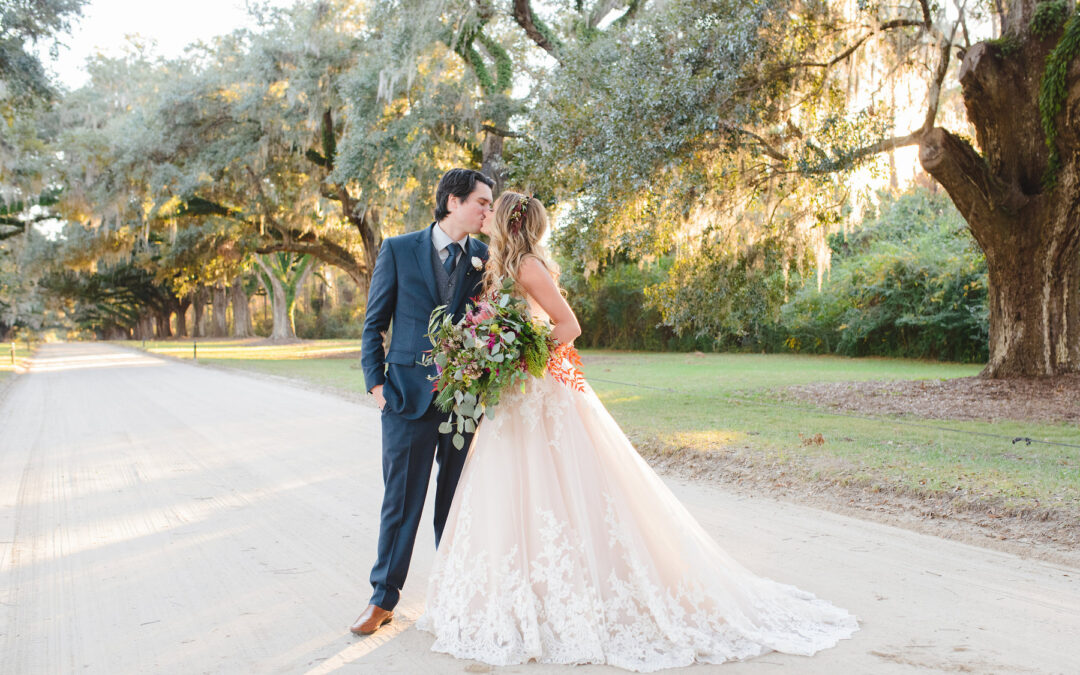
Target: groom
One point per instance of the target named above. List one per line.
(414, 273)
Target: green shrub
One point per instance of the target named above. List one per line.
(612, 309)
(342, 322)
(724, 299)
(911, 283)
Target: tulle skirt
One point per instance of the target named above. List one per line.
(564, 546)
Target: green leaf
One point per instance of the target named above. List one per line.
(470, 426)
(446, 427)
(459, 441)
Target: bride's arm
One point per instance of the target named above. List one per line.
(537, 282)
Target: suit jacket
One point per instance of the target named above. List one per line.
(403, 291)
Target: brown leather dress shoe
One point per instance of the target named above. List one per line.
(373, 618)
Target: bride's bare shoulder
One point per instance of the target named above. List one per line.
(532, 270)
(536, 267)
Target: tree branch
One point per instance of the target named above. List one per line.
(888, 25)
(602, 9)
(198, 206)
(928, 20)
(295, 241)
(537, 31)
(498, 131)
(980, 197)
(888, 144)
(629, 14)
(19, 228)
(933, 96)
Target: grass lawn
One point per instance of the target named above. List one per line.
(255, 349)
(724, 405)
(7, 367)
(329, 363)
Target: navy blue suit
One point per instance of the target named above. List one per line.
(403, 293)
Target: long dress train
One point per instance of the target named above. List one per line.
(563, 546)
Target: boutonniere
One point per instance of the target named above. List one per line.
(477, 263)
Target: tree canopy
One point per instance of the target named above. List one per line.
(686, 129)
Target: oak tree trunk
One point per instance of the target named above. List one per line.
(242, 327)
(199, 299)
(1024, 213)
(283, 328)
(219, 326)
(493, 166)
(181, 317)
(144, 327)
(163, 324)
(282, 293)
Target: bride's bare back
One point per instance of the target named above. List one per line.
(541, 289)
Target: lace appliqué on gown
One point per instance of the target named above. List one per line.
(563, 546)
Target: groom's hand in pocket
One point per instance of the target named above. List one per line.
(379, 400)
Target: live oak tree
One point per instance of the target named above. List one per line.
(1021, 193)
(25, 24)
(282, 275)
(26, 98)
(697, 99)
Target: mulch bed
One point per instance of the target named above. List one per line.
(1045, 399)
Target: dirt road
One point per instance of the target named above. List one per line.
(161, 517)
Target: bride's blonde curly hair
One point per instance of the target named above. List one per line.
(520, 223)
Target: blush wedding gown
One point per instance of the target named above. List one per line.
(563, 546)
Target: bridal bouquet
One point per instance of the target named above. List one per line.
(496, 345)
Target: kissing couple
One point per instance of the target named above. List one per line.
(556, 542)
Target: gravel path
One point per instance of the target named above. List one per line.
(161, 517)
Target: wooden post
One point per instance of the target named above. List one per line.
(194, 350)
(13, 352)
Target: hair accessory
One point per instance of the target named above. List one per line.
(513, 223)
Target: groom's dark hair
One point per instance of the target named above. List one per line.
(460, 183)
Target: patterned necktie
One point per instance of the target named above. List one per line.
(451, 259)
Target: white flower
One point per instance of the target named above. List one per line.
(477, 263)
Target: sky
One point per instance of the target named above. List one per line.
(172, 24)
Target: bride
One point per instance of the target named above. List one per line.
(563, 546)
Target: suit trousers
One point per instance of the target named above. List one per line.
(408, 449)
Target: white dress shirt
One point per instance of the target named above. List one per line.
(440, 240)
